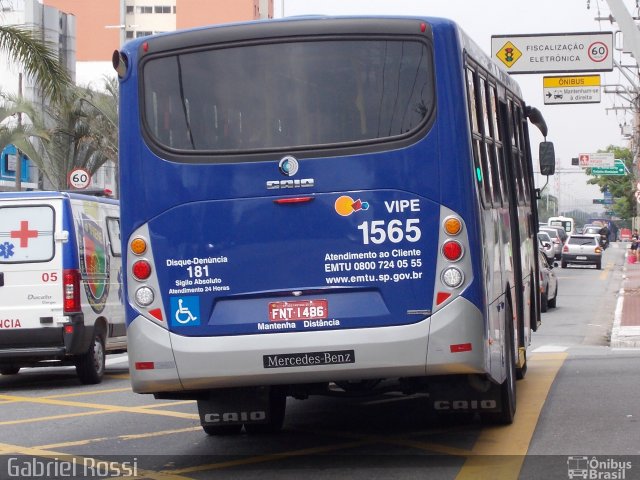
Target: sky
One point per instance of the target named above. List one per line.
(574, 129)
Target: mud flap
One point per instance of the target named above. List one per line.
(465, 395)
(236, 406)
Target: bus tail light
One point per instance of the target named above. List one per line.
(452, 250)
(144, 296)
(71, 290)
(452, 277)
(138, 246)
(141, 270)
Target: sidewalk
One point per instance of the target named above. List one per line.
(626, 324)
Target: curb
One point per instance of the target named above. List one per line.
(629, 336)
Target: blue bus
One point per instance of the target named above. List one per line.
(326, 205)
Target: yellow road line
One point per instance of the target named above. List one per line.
(51, 417)
(96, 406)
(134, 436)
(605, 273)
(271, 457)
(500, 451)
(91, 392)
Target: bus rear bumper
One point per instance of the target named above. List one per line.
(161, 361)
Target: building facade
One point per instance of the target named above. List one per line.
(102, 25)
(58, 29)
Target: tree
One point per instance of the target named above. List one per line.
(79, 131)
(622, 188)
(38, 59)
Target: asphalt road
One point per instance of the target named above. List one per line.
(578, 401)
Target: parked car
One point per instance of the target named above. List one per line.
(548, 284)
(546, 245)
(592, 229)
(561, 231)
(555, 239)
(582, 249)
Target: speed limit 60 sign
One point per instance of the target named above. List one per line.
(555, 52)
(79, 178)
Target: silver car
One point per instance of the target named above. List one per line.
(548, 284)
(583, 249)
(555, 239)
(546, 245)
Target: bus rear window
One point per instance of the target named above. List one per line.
(26, 234)
(288, 95)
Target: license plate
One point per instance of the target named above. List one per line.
(581, 257)
(298, 310)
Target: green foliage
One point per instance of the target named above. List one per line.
(38, 58)
(622, 188)
(78, 131)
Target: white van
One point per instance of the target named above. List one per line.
(61, 299)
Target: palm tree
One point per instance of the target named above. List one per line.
(39, 60)
(78, 131)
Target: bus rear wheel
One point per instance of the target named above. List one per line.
(508, 387)
(277, 408)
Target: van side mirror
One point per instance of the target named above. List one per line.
(547, 158)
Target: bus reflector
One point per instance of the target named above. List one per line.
(156, 313)
(71, 290)
(141, 269)
(145, 366)
(452, 250)
(461, 347)
(442, 297)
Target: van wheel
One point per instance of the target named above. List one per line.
(90, 366)
(9, 369)
(508, 387)
(277, 407)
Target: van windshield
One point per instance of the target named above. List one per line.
(26, 234)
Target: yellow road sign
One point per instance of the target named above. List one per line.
(508, 54)
(571, 81)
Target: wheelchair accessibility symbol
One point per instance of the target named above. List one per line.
(185, 311)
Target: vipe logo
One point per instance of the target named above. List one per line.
(596, 468)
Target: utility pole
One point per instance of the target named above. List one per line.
(18, 170)
(631, 44)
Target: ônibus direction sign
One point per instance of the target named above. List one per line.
(571, 89)
(556, 52)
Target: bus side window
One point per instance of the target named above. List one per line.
(485, 150)
(515, 152)
(522, 165)
(497, 147)
(482, 179)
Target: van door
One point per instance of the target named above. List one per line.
(30, 264)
